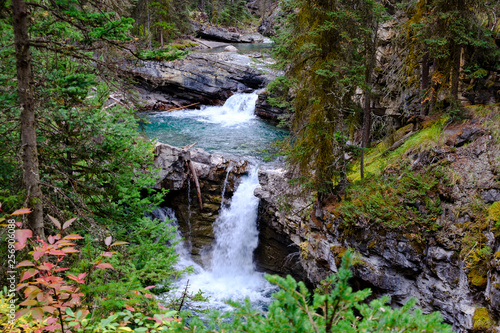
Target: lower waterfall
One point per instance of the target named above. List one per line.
(229, 272)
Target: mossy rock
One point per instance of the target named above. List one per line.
(494, 213)
(477, 277)
(482, 320)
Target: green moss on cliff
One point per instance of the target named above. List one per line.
(482, 320)
(403, 199)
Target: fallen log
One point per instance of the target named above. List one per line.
(196, 182)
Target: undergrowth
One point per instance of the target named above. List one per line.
(405, 199)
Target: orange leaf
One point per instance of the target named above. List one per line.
(29, 302)
(37, 313)
(49, 309)
(73, 236)
(22, 211)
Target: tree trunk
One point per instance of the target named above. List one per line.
(424, 87)
(455, 74)
(367, 122)
(31, 172)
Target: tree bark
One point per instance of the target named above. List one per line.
(455, 74)
(424, 87)
(31, 172)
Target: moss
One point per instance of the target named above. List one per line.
(338, 252)
(494, 213)
(482, 320)
(378, 158)
(477, 277)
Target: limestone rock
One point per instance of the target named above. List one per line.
(214, 171)
(205, 78)
(230, 48)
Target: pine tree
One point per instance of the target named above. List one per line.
(326, 50)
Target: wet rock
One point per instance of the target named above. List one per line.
(230, 48)
(264, 110)
(214, 171)
(204, 78)
(208, 31)
(490, 196)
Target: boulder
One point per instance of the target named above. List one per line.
(205, 78)
(211, 32)
(230, 48)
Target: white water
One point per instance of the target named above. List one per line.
(230, 273)
(230, 128)
(238, 109)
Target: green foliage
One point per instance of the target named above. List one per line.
(166, 54)
(442, 30)
(406, 200)
(324, 48)
(94, 163)
(334, 307)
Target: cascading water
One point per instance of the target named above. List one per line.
(230, 274)
(230, 128)
(227, 272)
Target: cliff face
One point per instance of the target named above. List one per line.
(216, 174)
(427, 226)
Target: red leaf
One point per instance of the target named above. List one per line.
(69, 250)
(108, 240)
(21, 312)
(119, 243)
(22, 211)
(55, 221)
(68, 223)
(148, 296)
(25, 263)
(19, 224)
(57, 252)
(107, 254)
(149, 287)
(104, 266)
(22, 235)
(60, 269)
(27, 274)
(82, 276)
(51, 239)
(128, 307)
(38, 254)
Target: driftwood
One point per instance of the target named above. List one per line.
(400, 142)
(180, 108)
(195, 177)
(189, 146)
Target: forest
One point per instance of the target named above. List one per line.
(370, 94)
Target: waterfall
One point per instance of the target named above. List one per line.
(230, 273)
(236, 235)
